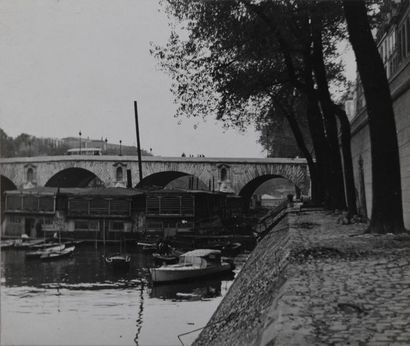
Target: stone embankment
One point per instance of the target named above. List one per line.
(312, 281)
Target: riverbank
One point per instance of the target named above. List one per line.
(311, 281)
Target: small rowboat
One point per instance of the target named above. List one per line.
(168, 256)
(6, 244)
(53, 255)
(27, 244)
(192, 264)
(119, 262)
(39, 253)
(160, 259)
(148, 247)
(227, 248)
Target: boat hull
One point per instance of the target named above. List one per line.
(119, 262)
(50, 256)
(27, 244)
(183, 272)
(6, 244)
(165, 259)
(39, 253)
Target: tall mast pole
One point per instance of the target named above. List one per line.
(138, 140)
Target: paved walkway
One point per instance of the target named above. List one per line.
(336, 286)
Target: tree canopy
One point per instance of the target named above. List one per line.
(249, 62)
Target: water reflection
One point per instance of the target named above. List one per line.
(86, 268)
(140, 314)
(200, 288)
(84, 302)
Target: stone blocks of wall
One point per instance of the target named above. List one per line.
(252, 293)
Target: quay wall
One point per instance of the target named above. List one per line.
(240, 318)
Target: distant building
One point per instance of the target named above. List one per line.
(269, 201)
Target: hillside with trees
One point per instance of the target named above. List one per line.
(25, 145)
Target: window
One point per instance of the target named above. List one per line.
(401, 42)
(117, 226)
(93, 225)
(14, 219)
(99, 206)
(46, 204)
(170, 205)
(81, 225)
(187, 205)
(78, 206)
(408, 34)
(223, 174)
(120, 207)
(85, 225)
(153, 204)
(13, 202)
(119, 174)
(30, 174)
(47, 221)
(30, 203)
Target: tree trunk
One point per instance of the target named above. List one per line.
(347, 161)
(321, 149)
(387, 209)
(316, 127)
(317, 183)
(318, 64)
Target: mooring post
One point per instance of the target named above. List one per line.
(138, 140)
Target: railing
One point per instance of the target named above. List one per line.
(268, 221)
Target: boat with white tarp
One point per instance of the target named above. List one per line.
(192, 264)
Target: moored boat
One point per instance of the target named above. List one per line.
(227, 248)
(44, 251)
(160, 259)
(119, 262)
(148, 247)
(232, 249)
(26, 244)
(166, 255)
(52, 255)
(192, 264)
(6, 244)
(44, 245)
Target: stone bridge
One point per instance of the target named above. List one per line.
(238, 175)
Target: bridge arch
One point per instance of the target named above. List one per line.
(74, 177)
(249, 189)
(162, 179)
(6, 184)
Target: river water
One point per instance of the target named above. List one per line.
(81, 301)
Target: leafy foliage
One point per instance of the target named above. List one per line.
(226, 62)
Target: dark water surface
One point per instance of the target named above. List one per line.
(81, 301)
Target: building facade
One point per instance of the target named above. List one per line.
(90, 213)
(393, 40)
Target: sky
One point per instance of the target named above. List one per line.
(68, 66)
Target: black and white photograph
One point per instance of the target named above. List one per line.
(204, 172)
